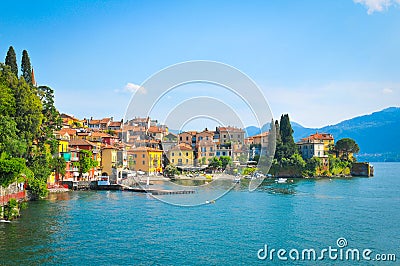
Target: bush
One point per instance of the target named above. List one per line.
(11, 210)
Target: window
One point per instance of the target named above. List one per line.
(211, 149)
(187, 161)
(173, 154)
(211, 154)
(180, 154)
(207, 138)
(143, 162)
(143, 155)
(173, 160)
(180, 138)
(218, 153)
(135, 156)
(187, 154)
(187, 138)
(179, 160)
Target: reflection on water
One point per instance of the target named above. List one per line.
(126, 228)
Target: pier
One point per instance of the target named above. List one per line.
(154, 191)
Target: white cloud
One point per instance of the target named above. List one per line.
(377, 5)
(132, 88)
(387, 91)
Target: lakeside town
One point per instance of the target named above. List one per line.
(42, 150)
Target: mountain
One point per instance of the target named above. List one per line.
(377, 134)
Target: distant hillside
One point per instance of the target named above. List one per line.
(377, 134)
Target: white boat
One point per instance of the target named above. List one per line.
(281, 180)
(236, 180)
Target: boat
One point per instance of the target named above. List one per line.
(281, 180)
(236, 180)
(4, 221)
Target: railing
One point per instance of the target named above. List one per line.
(19, 195)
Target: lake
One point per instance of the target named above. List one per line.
(126, 228)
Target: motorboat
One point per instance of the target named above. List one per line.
(281, 180)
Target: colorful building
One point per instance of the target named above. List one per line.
(181, 155)
(147, 159)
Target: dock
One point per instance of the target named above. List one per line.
(153, 191)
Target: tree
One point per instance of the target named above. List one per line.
(225, 161)
(286, 134)
(215, 163)
(58, 165)
(171, 170)
(345, 147)
(11, 61)
(86, 161)
(51, 118)
(312, 165)
(26, 68)
(10, 170)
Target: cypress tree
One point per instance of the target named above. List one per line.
(26, 67)
(11, 60)
(286, 134)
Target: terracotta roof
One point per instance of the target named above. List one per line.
(192, 132)
(81, 142)
(145, 149)
(263, 134)
(101, 135)
(115, 124)
(319, 136)
(94, 122)
(70, 131)
(181, 147)
(65, 116)
(154, 129)
(231, 129)
(105, 120)
(105, 146)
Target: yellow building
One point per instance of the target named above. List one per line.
(63, 145)
(326, 138)
(108, 159)
(181, 155)
(147, 159)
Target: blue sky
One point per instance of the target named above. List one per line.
(320, 61)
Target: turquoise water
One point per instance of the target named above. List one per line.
(124, 228)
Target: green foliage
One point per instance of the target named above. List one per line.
(10, 170)
(345, 147)
(26, 68)
(11, 61)
(10, 143)
(86, 161)
(225, 161)
(248, 171)
(171, 170)
(28, 119)
(58, 165)
(28, 115)
(288, 146)
(11, 210)
(38, 187)
(312, 166)
(215, 163)
(203, 161)
(338, 166)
